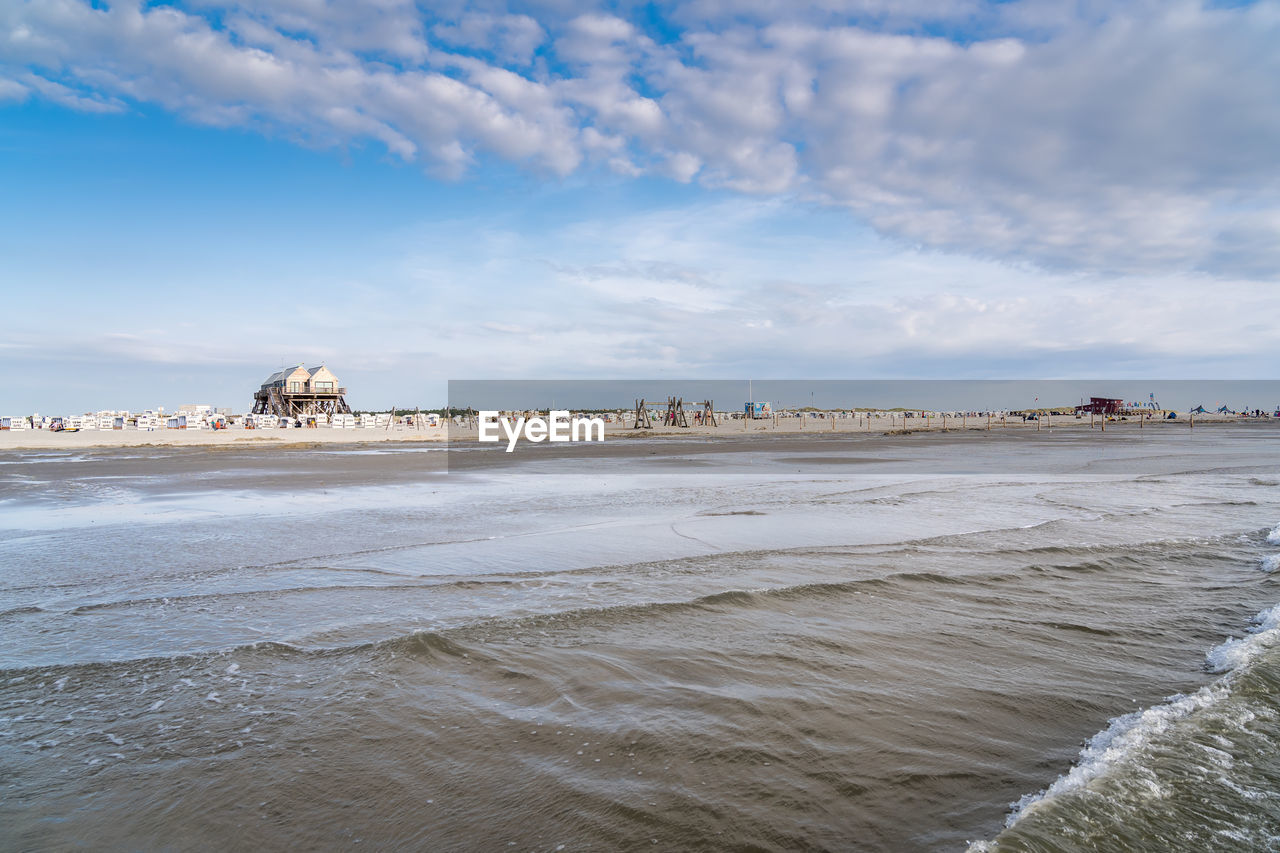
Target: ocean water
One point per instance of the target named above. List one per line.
(1047, 642)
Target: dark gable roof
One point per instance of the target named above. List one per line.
(281, 375)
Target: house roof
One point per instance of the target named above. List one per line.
(281, 375)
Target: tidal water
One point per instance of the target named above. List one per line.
(1046, 642)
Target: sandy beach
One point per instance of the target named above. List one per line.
(46, 440)
(239, 437)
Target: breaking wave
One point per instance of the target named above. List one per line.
(1201, 766)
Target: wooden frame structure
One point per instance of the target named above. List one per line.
(643, 421)
(675, 413)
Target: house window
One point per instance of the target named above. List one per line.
(324, 386)
(295, 387)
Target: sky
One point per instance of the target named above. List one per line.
(194, 194)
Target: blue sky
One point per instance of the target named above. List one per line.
(191, 194)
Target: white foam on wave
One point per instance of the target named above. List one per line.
(1274, 536)
(1234, 653)
(1271, 563)
(1128, 735)
(1125, 736)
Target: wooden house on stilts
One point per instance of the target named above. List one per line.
(298, 391)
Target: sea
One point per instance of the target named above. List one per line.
(1056, 641)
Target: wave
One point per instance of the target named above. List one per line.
(880, 568)
(1234, 654)
(1140, 757)
(1057, 625)
(1118, 742)
(485, 628)
(20, 611)
(967, 544)
(1274, 536)
(234, 595)
(422, 645)
(1271, 563)
(111, 668)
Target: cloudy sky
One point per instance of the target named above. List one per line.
(193, 193)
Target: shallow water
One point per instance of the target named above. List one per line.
(776, 644)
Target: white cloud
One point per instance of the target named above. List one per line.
(1128, 137)
(12, 90)
(737, 287)
(60, 94)
(511, 38)
(734, 286)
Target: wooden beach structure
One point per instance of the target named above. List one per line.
(675, 415)
(296, 392)
(642, 421)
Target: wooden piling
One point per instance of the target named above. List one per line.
(642, 419)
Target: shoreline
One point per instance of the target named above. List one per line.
(35, 440)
